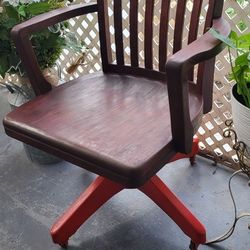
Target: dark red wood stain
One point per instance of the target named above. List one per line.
(127, 122)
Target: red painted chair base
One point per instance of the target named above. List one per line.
(102, 189)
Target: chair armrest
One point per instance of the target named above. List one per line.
(21, 32)
(177, 68)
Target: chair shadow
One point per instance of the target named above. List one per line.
(216, 247)
(124, 237)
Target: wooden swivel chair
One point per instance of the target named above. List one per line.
(126, 122)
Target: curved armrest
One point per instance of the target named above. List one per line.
(20, 34)
(177, 68)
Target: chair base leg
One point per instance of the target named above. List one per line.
(95, 196)
(157, 191)
(102, 189)
(192, 155)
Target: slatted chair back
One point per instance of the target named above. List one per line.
(150, 63)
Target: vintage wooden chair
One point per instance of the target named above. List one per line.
(126, 122)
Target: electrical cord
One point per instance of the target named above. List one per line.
(13, 87)
(230, 231)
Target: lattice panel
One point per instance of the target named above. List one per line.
(213, 144)
(86, 28)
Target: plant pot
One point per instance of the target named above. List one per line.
(241, 117)
(22, 94)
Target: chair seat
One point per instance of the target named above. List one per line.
(113, 125)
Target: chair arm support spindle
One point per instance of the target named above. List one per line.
(177, 68)
(181, 125)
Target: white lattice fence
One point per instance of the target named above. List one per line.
(213, 145)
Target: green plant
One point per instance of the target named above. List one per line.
(48, 44)
(239, 61)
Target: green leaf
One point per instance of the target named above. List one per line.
(9, 23)
(21, 11)
(4, 35)
(244, 41)
(233, 35)
(38, 8)
(4, 66)
(242, 60)
(222, 38)
(11, 12)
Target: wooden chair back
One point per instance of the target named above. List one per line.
(148, 67)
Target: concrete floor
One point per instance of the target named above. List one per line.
(33, 196)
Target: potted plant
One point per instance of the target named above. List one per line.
(239, 57)
(48, 44)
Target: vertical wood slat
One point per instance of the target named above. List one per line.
(179, 23)
(103, 21)
(194, 21)
(206, 75)
(118, 32)
(206, 69)
(208, 23)
(148, 33)
(218, 8)
(163, 36)
(133, 26)
(193, 28)
(210, 14)
(215, 9)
